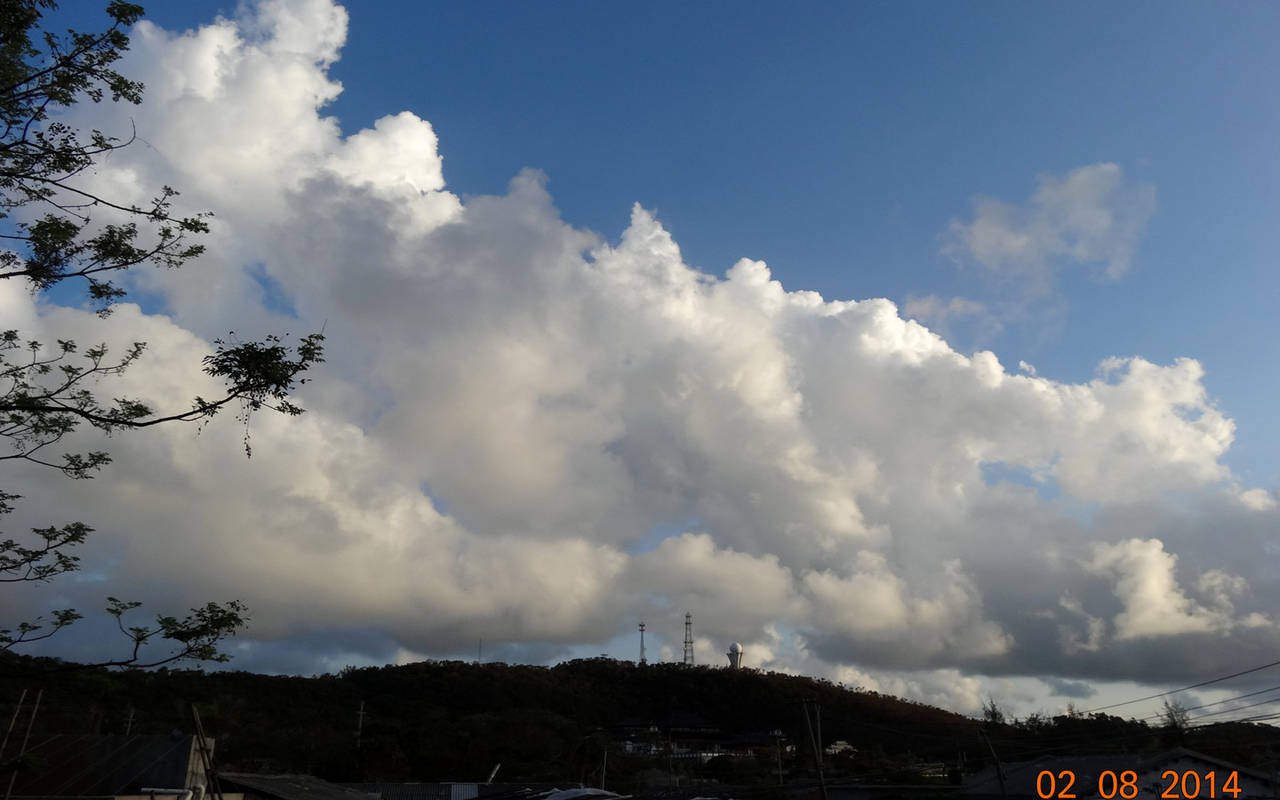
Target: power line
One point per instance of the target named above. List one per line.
(1255, 718)
(1184, 688)
(1220, 702)
(1069, 742)
(1272, 701)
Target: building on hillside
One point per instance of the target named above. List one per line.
(88, 765)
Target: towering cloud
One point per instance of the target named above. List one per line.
(515, 410)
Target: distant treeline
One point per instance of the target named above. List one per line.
(453, 720)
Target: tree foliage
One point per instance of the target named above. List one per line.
(449, 720)
(56, 229)
(992, 713)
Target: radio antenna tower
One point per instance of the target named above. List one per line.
(642, 661)
(688, 639)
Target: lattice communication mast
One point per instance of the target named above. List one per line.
(688, 639)
(642, 661)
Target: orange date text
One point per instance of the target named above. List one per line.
(1174, 785)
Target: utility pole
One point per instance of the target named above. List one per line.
(206, 756)
(359, 724)
(817, 723)
(814, 742)
(671, 749)
(776, 733)
(26, 737)
(999, 767)
(12, 720)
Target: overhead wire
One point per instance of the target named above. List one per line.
(1220, 702)
(1017, 746)
(1184, 688)
(1253, 718)
(1272, 701)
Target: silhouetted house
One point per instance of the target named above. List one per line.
(87, 765)
(1179, 773)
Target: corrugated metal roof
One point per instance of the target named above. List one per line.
(421, 790)
(85, 764)
(447, 790)
(289, 787)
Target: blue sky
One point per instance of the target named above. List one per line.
(836, 142)
(538, 425)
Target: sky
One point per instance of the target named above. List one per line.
(927, 348)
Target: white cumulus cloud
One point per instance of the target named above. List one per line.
(512, 406)
(1092, 215)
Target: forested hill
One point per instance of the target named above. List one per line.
(455, 720)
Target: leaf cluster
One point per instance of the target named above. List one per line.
(196, 635)
(51, 233)
(41, 159)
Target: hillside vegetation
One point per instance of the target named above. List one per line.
(454, 721)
